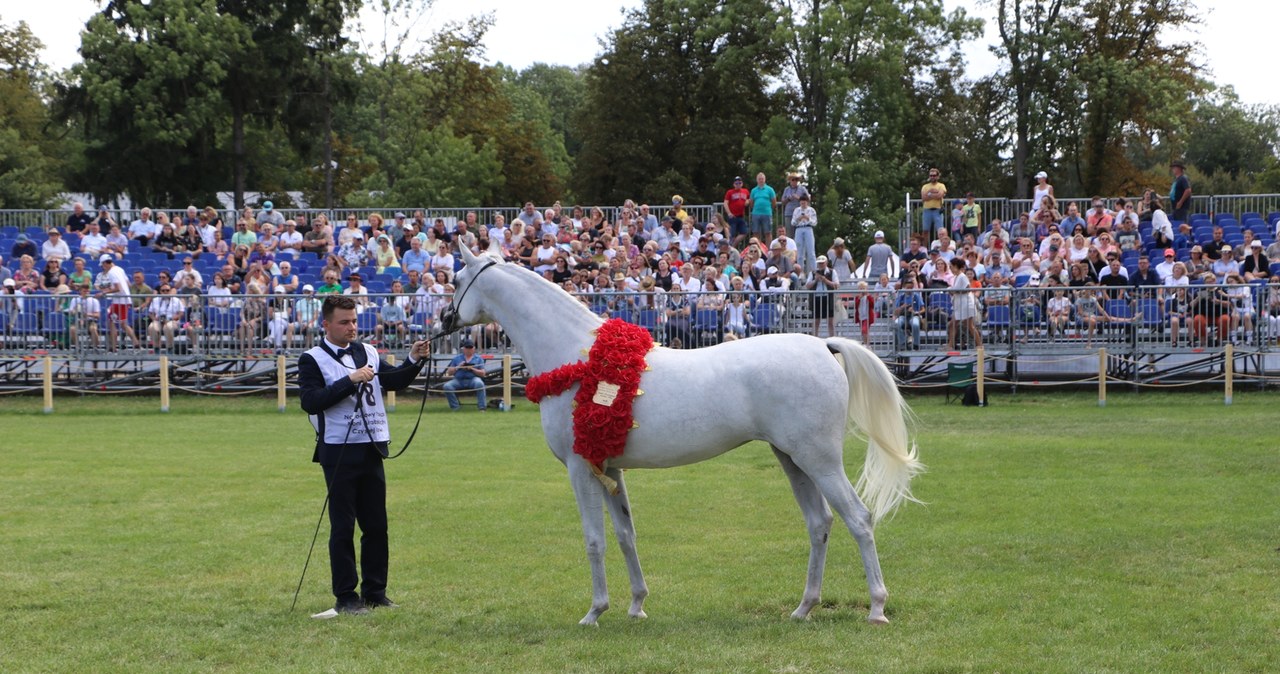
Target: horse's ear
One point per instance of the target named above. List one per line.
(495, 250)
(468, 257)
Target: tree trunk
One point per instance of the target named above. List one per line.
(328, 141)
(238, 154)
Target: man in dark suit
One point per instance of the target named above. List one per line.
(341, 381)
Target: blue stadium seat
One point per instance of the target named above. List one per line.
(1250, 215)
(9, 232)
(764, 318)
(704, 321)
(367, 321)
(997, 318)
(648, 319)
(55, 324)
(1119, 309)
(27, 324)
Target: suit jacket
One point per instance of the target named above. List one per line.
(318, 397)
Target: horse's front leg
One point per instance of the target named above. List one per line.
(625, 531)
(590, 494)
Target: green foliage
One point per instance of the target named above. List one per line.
(29, 152)
(1230, 143)
(669, 104)
(443, 169)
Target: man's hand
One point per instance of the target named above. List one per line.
(420, 349)
(362, 375)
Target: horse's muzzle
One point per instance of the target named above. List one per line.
(448, 319)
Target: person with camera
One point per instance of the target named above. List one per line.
(341, 382)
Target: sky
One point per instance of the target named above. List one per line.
(1234, 33)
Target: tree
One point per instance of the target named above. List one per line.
(1230, 142)
(149, 100)
(850, 69)
(669, 104)
(29, 162)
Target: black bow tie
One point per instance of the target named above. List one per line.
(349, 351)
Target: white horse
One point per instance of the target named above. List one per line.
(550, 328)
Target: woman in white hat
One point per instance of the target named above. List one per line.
(1042, 189)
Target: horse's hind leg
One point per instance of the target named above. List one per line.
(817, 517)
(589, 493)
(844, 500)
(625, 531)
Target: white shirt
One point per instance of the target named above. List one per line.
(181, 274)
(93, 244)
(145, 228)
(788, 242)
(86, 306)
(804, 217)
(117, 276)
(206, 234)
(59, 250)
(1165, 270)
(287, 242)
(167, 307)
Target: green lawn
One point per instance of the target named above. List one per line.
(1058, 537)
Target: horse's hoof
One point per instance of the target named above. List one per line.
(639, 615)
(589, 621)
(799, 615)
(878, 620)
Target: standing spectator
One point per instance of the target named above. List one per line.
(55, 247)
(735, 208)
(530, 216)
(467, 370)
(864, 312)
(762, 202)
(112, 282)
(803, 220)
(823, 283)
(269, 215)
(964, 309)
(971, 216)
(932, 194)
(1179, 192)
(879, 258)
(307, 316)
(78, 221)
(794, 196)
(1041, 190)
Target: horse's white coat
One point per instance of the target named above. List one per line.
(787, 390)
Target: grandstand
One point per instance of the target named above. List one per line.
(1020, 345)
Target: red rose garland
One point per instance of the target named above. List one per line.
(617, 358)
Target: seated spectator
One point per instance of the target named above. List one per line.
(92, 242)
(1114, 276)
(1026, 262)
(1059, 313)
(55, 247)
(23, 246)
(999, 293)
(83, 314)
(907, 308)
(289, 241)
(1125, 213)
(1127, 237)
(189, 241)
(117, 243)
(166, 241)
(1225, 265)
(52, 278)
(143, 230)
(1098, 219)
(166, 312)
(188, 270)
(1145, 276)
(443, 261)
(1199, 263)
(945, 245)
(467, 370)
(384, 257)
(27, 279)
(307, 317)
(219, 294)
(1256, 265)
(357, 289)
(1273, 309)
(1211, 307)
(320, 239)
(79, 277)
(1023, 228)
(415, 259)
(1242, 310)
(393, 316)
(286, 278)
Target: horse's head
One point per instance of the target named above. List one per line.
(464, 310)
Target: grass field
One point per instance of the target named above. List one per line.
(1058, 537)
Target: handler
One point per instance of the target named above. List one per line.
(341, 381)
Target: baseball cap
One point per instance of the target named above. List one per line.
(280, 290)
(1255, 244)
(467, 344)
(1169, 252)
(22, 237)
(9, 283)
(1178, 163)
(772, 270)
(1041, 174)
(822, 258)
(879, 234)
(308, 288)
(267, 205)
(737, 179)
(1226, 249)
(838, 242)
(106, 257)
(400, 214)
(935, 251)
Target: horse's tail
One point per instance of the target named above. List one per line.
(878, 412)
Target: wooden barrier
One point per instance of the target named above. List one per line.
(1228, 370)
(391, 395)
(980, 371)
(1102, 377)
(48, 384)
(506, 382)
(164, 383)
(281, 384)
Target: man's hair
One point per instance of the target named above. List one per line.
(334, 302)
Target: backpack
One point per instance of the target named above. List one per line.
(970, 398)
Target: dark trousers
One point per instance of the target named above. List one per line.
(358, 493)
